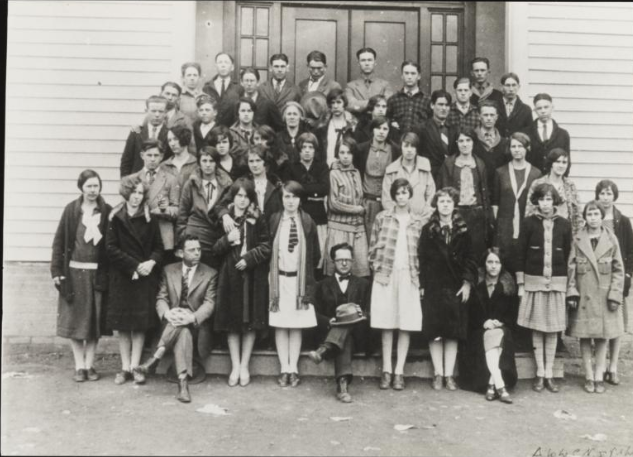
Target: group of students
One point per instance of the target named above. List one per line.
(413, 214)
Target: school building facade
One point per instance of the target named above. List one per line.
(78, 74)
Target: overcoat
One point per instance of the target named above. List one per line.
(519, 119)
(502, 306)
(194, 217)
(289, 93)
(243, 295)
(421, 181)
(595, 277)
(130, 241)
(63, 245)
(432, 147)
(443, 270)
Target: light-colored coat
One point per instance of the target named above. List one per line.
(164, 185)
(201, 298)
(421, 180)
(595, 277)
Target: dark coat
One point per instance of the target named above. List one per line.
(226, 103)
(432, 147)
(519, 120)
(624, 234)
(193, 216)
(131, 160)
(364, 133)
(531, 255)
(129, 242)
(493, 158)
(284, 144)
(443, 270)
(288, 93)
(494, 96)
(558, 138)
(313, 252)
(316, 183)
(503, 197)
(502, 306)
(64, 243)
(198, 138)
(360, 159)
(322, 137)
(328, 295)
(242, 298)
(268, 113)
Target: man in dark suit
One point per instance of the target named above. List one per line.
(185, 302)
(482, 88)
(545, 134)
(152, 129)
(514, 115)
(223, 88)
(341, 301)
(437, 138)
(278, 88)
(318, 80)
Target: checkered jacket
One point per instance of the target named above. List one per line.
(460, 120)
(382, 246)
(409, 112)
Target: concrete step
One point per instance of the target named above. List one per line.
(266, 363)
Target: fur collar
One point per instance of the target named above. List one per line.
(505, 279)
(458, 223)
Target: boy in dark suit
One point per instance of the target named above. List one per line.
(340, 303)
(207, 112)
(153, 129)
(278, 88)
(185, 300)
(223, 88)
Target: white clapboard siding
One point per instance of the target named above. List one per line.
(78, 74)
(582, 55)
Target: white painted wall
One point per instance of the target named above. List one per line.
(77, 77)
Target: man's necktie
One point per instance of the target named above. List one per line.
(151, 176)
(293, 239)
(277, 87)
(545, 135)
(184, 290)
(154, 131)
(223, 87)
(346, 277)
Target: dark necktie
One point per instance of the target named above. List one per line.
(210, 188)
(151, 176)
(346, 277)
(223, 87)
(154, 131)
(545, 135)
(184, 291)
(446, 233)
(293, 239)
(277, 87)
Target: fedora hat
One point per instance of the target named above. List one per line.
(347, 314)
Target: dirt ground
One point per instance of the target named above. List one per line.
(45, 413)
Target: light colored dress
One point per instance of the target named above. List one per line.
(288, 315)
(397, 305)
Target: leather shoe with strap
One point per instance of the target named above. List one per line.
(183, 391)
(539, 384)
(80, 375)
(385, 380)
(283, 379)
(491, 393)
(590, 386)
(294, 379)
(450, 383)
(504, 396)
(398, 382)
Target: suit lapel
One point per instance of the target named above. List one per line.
(196, 280)
(603, 245)
(157, 185)
(176, 280)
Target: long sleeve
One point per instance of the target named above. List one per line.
(162, 298)
(572, 286)
(205, 310)
(260, 253)
(387, 202)
(158, 249)
(127, 159)
(184, 209)
(318, 181)
(57, 259)
(616, 290)
(119, 258)
(334, 201)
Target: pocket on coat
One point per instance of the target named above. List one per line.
(582, 265)
(604, 266)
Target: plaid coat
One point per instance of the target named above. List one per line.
(409, 112)
(468, 121)
(382, 246)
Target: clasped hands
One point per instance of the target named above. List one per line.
(492, 324)
(144, 269)
(179, 317)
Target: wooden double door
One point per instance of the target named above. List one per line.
(339, 32)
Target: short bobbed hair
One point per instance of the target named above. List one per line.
(247, 185)
(209, 151)
(266, 133)
(246, 100)
(593, 204)
(309, 138)
(470, 133)
(410, 138)
(85, 176)
(607, 184)
(351, 144)
(377, 122)
(373, 101)
(445, 192)
(260, 152)
(294, 188)
(182, 133)
(219, 132)
(521, 138)
(129, 184)
(494, 251)
(398, 184)
(335, 94)
(544, 189)
(553, 156)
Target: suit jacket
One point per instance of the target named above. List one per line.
(432, 147)
(226, 102)
(520, 118)
(325, 86)
(200, 141)
(165, 184)
(559, 138)
(201, 298)
(358, 292)
(288, 93)
(131, 160)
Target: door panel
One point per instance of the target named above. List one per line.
(309, 29)
(394, 36)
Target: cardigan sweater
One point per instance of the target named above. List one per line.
(345, 202)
